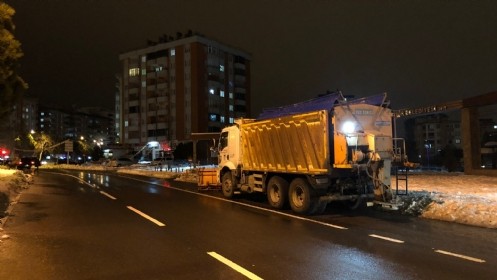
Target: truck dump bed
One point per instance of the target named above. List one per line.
(289, 144)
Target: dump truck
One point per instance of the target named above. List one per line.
(309, 154)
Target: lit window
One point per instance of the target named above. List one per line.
(222, 119)
(125, 123)
(211, 91)
(158, 68)
(231, 108)
(213, 117)
(42, 113)
(221, 93)
(232, 120)
(134, 72)
(231, 95)
(221, 68)
(42, 120)
(172, 52)
(144, 58)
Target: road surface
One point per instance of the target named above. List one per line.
(86, 225)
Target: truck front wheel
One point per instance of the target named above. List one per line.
(301, 196)
(277, 192)
(228, 185)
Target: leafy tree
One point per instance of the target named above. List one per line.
(35, 143)
(11, 84)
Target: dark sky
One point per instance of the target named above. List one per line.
(420, 52)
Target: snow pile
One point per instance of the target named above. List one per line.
(415, 202)
(11, 184)
(452, 197)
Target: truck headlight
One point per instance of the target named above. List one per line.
(349, 127)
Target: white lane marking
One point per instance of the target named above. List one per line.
(108, 195)
(386, 238)
(146, 216)
(460, 256)
(244, 204)
(234, 266)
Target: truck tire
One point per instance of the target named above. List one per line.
(228, 185)
(277, 192)
(302, 196)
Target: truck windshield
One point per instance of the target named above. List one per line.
(223, 140)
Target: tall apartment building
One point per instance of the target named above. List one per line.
(173, 88)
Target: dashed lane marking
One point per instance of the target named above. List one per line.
(234, 266)
(246, 205)
(386, 238)
(146, 216)
(460, 256)
(108, 195)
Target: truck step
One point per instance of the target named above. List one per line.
(386, 205)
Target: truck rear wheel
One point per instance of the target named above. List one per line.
(277, 192)
(228, 185)
(301, 196)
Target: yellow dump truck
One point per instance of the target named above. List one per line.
(309, 154)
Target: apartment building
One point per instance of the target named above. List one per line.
(178, 86)
(90, 123)
(426, 136)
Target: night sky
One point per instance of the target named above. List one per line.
(419, 52)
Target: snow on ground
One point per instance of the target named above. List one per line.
(452, 197)
(11, 184)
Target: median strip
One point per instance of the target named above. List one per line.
(386, 238)
(146, 216)
(234, 266)
(460, 256)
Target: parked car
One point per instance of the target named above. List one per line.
(28, 162)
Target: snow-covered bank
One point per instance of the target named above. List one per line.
(453, 197)
(11, 184)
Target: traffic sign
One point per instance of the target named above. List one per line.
(68, 146)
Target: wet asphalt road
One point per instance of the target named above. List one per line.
(130, 227)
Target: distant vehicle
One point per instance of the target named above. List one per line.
(28, 162)
(124, 162)
(158, 161)
(163, 160)
(144, 161)
(9, 163)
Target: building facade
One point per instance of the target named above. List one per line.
(429, 135)
(173, 88)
